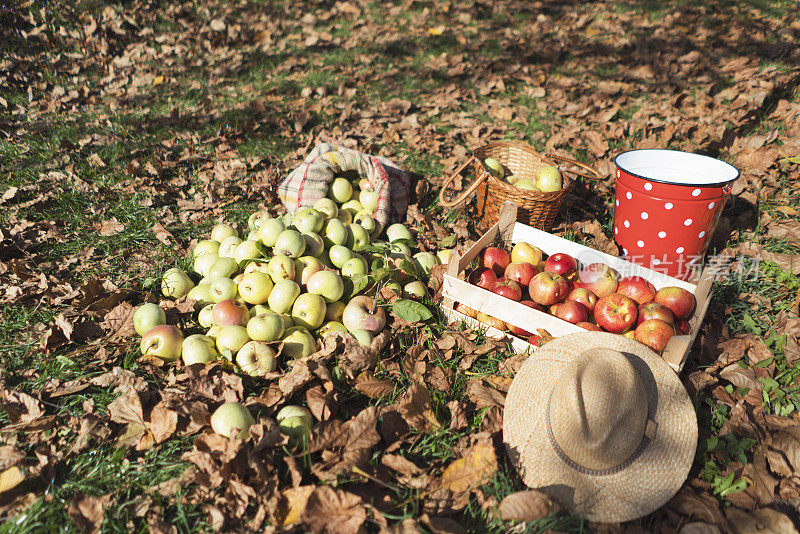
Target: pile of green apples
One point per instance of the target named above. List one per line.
(292, 279)
(546, 178)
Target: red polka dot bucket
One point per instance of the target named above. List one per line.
(667, 205)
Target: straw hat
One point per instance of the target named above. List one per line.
(602, 424)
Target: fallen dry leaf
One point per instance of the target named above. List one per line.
(472, 470)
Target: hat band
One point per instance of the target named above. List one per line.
(646, 438)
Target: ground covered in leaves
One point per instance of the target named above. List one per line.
(128, 128)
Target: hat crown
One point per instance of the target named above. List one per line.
(598, 410)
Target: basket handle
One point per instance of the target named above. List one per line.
(592, 170)
(459, 198)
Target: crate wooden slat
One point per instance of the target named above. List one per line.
(510, 232)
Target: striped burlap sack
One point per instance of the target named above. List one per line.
(309, 182)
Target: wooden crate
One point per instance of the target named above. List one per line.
(507, 231)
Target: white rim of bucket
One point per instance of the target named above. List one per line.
(676, 167)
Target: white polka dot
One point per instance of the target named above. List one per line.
(656, 261)
(640, 243)
(628, 195)
(687, 222)
(648, 186)
(645, 215)
(711, 205)
(696, 192)
(616, 230)
(624, 251)
(679, 250)
(668, 205)
(662, 234)
(627, 223)
(617, 202)
(617, 173)
(701, 234)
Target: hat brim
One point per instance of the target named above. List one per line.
(640, 488)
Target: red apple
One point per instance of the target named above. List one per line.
(590, 326)
(571, 311)
(654, 310)
(495, 259)
(682, 326)
(535, 340)
(654, 333)
(584, 296)
(636, 288)
(230, 312)
(615, 312)
(491, 321)
(521, 273)
(466, 310)
(534, 305)
(527, 253)
(482, 277)
(508, 289)
(677, 299)
(598, 278)
(548, 288)
(563, 264)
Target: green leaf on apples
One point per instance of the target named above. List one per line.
(383, 273)
(371, 248)
(411, 311)
(408, 242)
(448, 241)
(360, 281)
(408, 267)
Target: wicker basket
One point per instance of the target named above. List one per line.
(535, 208)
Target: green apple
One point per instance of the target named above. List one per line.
(255, 287)
(148, 316)
(495, 168)
(224, 267)
(290, 243)
(394, 286)
(308, 310)
(227, 248)
(230, 339)
(260, 265)
(247, 250)
(308, 220)
(296, 422)
(345, 217)
(444, 256)
(230, 312)
(298, 343)
(398, 231)
(361, 313)
(201, 294)
(223, 289)
(283, 295)
(399, 250)
(357, 237)
(340, 190)
(198, 348)
(369, 199)
(364, 218)
(162, 342)
(339, 254)
(256, 219)
(547, 178)
(256, 358)
(334, 311)
(202, 264)
(270, 230)
(232, 419)
(363, 337)
(222, 230)
(414, 290)
(206, 246)
(352, 207)
(526, 184)
(266, 327)
(314, 244)
(424, 262)
(205, 317)
(326, 284)
(214, 331)
(287, 219)
(355, 265)
(326, 207)
(259, 309)
(175, 283)
(281, 268)
(335, 233)
(331, 326)
(305, 267)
